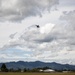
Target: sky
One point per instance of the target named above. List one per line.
(22, 40)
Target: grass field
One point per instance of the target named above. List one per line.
(37, 73)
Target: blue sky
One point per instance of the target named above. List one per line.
(20, 39)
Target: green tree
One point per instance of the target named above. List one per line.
(11, 70)
(44, 68)
(19, 70)
(4, 68)
(25, 70)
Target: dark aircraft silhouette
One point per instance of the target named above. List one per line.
(37, 26)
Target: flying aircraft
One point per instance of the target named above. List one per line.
(37, 26)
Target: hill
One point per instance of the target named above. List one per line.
(38, 64)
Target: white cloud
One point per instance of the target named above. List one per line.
(51, 45)
(47, 28)
(49, 42)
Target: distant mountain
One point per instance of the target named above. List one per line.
(38, 64)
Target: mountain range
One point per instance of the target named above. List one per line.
(38, 64)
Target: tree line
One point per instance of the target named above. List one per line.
(5, 69)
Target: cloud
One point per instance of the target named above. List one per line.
(58, 36)
(60, 41)
(12, 35)
(31, 35)
(32, 39)
(70, 26)
(16, 10)
(49, 42)
(46, 28)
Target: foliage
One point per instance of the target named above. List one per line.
(4, 68)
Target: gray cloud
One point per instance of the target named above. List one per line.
(16, 10)
(59, 42)
(12, 35)
(70, 27)
(60, 37)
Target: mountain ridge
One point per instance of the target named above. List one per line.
(38, 64)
